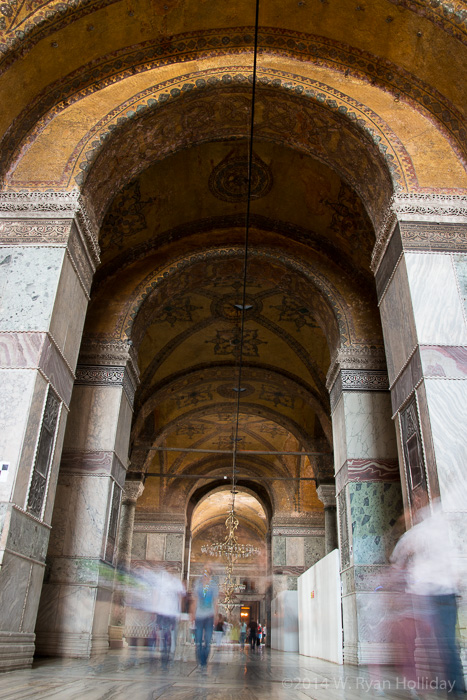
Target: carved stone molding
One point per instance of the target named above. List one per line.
(53, 205)
(108, 363)
(355, 357)
(170, 528)
(297, 531)
(327, 495)
(427, 207)
(107, 375)
(132, 491)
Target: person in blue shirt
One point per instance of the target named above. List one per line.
(204, 610)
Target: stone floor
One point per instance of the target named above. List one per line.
(231, 675)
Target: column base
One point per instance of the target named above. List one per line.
(16, 650)
(370, 653)
(116, 637)
(71, 645)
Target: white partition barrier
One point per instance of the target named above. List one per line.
(284, 621)
(320, 612)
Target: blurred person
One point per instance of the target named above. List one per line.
(253, 626)
(204, 610)
(259, 634)
(427, 557)
(243, 629)
(167, 595)
(219, 631)
(264, 634)
(235, 633)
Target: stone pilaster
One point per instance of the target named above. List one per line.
(131, 492)
(48, 255)
(76, 598)
(420, 266)
(327, 496)
(368, 496)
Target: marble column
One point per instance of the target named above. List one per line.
(420, 266)
(48, 255)
(133, 489)
(368, 497)
(327, 496)
(75, 606)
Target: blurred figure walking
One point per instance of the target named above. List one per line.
(204, 610)
(425, 554)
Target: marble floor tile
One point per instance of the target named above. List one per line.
(231, 675)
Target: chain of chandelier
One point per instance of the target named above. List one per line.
(230, 549)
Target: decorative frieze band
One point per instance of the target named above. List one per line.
(104, 375)
(57, 205)
(297, 531)
(418, 207)
(358, 380)
(178, 528)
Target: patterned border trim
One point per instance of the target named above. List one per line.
(94, 463)
(43, 205)
(107, 375)
(442, 208)
(288, 531)
(354, 470)
(358, 380)
(288, 570)
(159, 527)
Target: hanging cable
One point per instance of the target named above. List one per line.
(245, 257)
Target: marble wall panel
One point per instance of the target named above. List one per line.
(447, 404)
(67, 569)
(460, 267)
(406, 381)
(173, 547)
(75, 609)
(26, 536)
(294, 551)
(28, 288)
(93, 420)
(436, 303)
(444, 361)
(66, 327)
(21, 349)
(278, 551)
(47, 612)
(428, 447)
(122, 439)
(16, 405)
(375, 614)
(374, 509)
(14, 581)
(102, 613)
(369, 429)
(155, 546)
(338, 435)
(56, 370)
(33, 596)
(138, 547)
(78, 524)
(400, 337)
(314, 550)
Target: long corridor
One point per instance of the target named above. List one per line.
(232, 675)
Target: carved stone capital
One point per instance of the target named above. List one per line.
(132, 491)
(108, 363)
(327, 495)
(356, 368)
(58, 205)
(411, 206)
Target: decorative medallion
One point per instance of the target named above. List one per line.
(226, 307)
(228, 391)
(229, 180)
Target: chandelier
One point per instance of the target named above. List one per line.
(230, 548)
